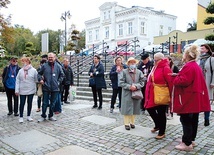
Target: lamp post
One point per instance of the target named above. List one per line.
(135, 45)
(169, 43)
(64, 17)
(176, 42)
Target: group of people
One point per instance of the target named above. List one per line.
(191, 89)
(21, 83)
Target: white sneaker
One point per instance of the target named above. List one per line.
(41, 119)
(52, 119)
(21, 120)
(29, 119)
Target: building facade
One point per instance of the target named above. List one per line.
(118, 25)
(202, 14)
(177, 40)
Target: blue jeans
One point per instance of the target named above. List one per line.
(52, 96)
(207, 115)
(22, 104)
(58, 107)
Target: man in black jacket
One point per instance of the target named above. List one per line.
(68, 80)
(9, 81)
(145, 65)
(50, 76)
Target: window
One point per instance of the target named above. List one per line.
(129, 27)
(109, 14)
(169, 29)
(90, 36)
(120, 29)
(104, 15)
(161, 30)
(97, 34)
(142, 27)
(107, 32)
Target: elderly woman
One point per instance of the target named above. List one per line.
(115, 75)
(159, 75)
(26, 87)
(190, 97)
(132, 80)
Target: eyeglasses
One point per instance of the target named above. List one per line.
(14, 60)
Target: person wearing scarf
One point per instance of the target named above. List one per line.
(26, 87)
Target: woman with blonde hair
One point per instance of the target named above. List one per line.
(26, 87)
(115, 75)
(190, 97)
(131, 80)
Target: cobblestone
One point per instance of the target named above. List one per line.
(71, 129)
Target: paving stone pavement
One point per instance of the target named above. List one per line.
(80, 130)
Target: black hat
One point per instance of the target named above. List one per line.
(44, 56)
(144, 56)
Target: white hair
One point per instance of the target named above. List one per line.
(159, 55)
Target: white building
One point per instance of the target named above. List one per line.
(117, 24)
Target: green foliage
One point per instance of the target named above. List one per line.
(210, 37)
(192, 26)
(209, 20)
(210, 8)
(54, 40)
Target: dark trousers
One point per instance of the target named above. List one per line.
(39, 101)
(207, 115)
(58, 104)
(143, 100)
(99, 91)
(65, 92)
(52, 96)
(11, 94)
(117, 91)
(22, 104)
(158, 115)
(190, 126)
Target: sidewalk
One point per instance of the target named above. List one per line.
(80, 130)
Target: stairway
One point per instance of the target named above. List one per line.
(84, 92)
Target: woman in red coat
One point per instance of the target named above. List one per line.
(190, 97)
(160, 71)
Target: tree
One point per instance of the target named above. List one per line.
(5, 31)
(192, 26)
(81, 42)
(20, 36)
(54, 40)
(73, 43)
(210, 20)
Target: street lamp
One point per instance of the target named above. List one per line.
(135, 45)
(176, 42)
(64, 17)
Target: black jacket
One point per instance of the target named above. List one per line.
(52, 76)
(69, 77)
(98, 75)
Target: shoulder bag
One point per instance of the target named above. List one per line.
(161, 93)
(136, 94)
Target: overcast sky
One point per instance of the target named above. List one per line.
(45, 14)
